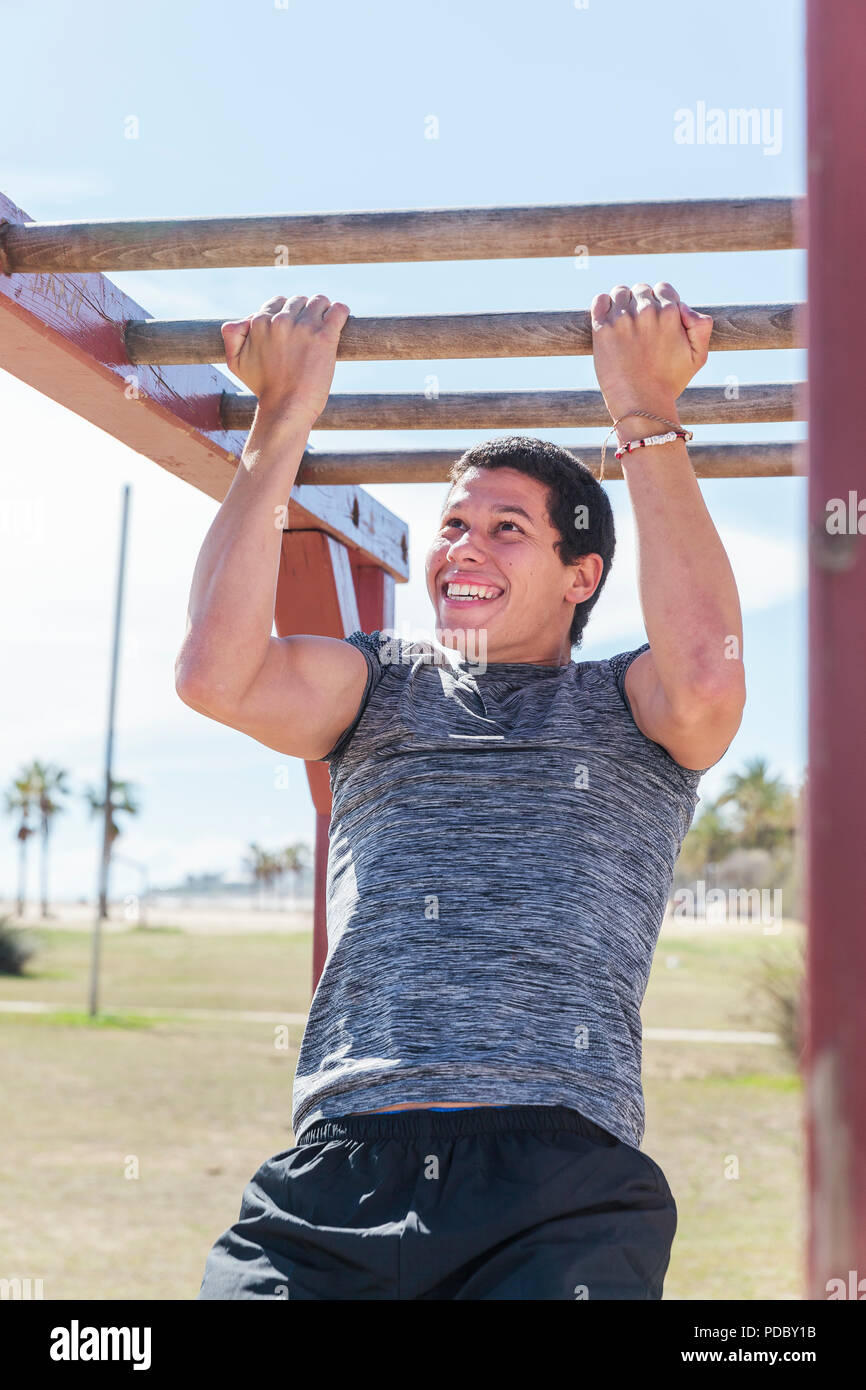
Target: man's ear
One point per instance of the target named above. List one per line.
(587, 572)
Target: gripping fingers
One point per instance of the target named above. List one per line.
(599, 309)
(665, 293)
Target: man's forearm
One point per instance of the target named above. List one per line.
(231, 605)
(688, 594)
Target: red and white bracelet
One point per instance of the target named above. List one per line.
(676, 432)
(652, 439)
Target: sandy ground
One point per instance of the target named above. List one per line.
(297, 916)
(232, 917)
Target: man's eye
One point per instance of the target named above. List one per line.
(455, 521)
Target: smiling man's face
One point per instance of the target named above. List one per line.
(495, 538)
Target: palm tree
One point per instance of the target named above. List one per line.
(255, 864)
(709, 840)
(48, 779)
(21, 797)
(765, 810)
(295, 859)
(272, 869)
(122, 799)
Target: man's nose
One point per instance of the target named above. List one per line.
(468, 542)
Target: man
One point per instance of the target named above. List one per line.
(468, 1106)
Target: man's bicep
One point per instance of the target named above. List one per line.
(303, 698)
(696, 740)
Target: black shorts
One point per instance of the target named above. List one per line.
(519, 1202)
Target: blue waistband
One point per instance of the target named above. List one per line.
(445, 1108)
(451, 1122)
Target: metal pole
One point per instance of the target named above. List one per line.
(102, 892)
(836, 822)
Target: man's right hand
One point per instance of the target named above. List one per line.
(286, 353)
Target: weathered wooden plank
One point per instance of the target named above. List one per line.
(559, 333)
(407, 234)
(396, 410)
(771, 460)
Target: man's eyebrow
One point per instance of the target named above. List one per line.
(519, 510)
(502, 507)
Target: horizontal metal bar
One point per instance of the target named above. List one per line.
(407, 234)
(492, 410)
(773, 460)
(558, 333)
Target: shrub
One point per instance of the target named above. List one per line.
(777, 988)
(16, 948)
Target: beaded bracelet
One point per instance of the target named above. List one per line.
(652, 439)
(676, 432)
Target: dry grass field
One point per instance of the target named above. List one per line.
(127, 1143)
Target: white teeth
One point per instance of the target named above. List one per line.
(467, 593)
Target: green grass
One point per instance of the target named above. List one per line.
(194, 1107)
(69, 1018)
(265, 973)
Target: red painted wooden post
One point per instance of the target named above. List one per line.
(325, 588)
(320, 894)
(836, 862)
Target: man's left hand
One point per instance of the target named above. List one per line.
(647, 345)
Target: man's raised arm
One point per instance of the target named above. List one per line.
(296, 694)
(687, 692)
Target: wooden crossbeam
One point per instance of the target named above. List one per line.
(494, 410)
(560, 333)
(63, 335)
(424, 234)
(773, 460)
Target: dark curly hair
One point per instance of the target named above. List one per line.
(577, 504)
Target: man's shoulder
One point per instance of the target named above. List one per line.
(613, 668)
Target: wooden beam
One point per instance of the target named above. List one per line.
(323, 588)
(834, 1021)
(560, 333)
(63, 335)
(773, 460)
(423, 234)
(495, 410)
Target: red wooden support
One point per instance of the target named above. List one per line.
(836, 862)
(327, 589)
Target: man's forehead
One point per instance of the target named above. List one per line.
(498, 494)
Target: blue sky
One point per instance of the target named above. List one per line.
(257, 108)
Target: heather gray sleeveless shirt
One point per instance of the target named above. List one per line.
(502, 847)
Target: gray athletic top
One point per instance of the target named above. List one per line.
(502, 847)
